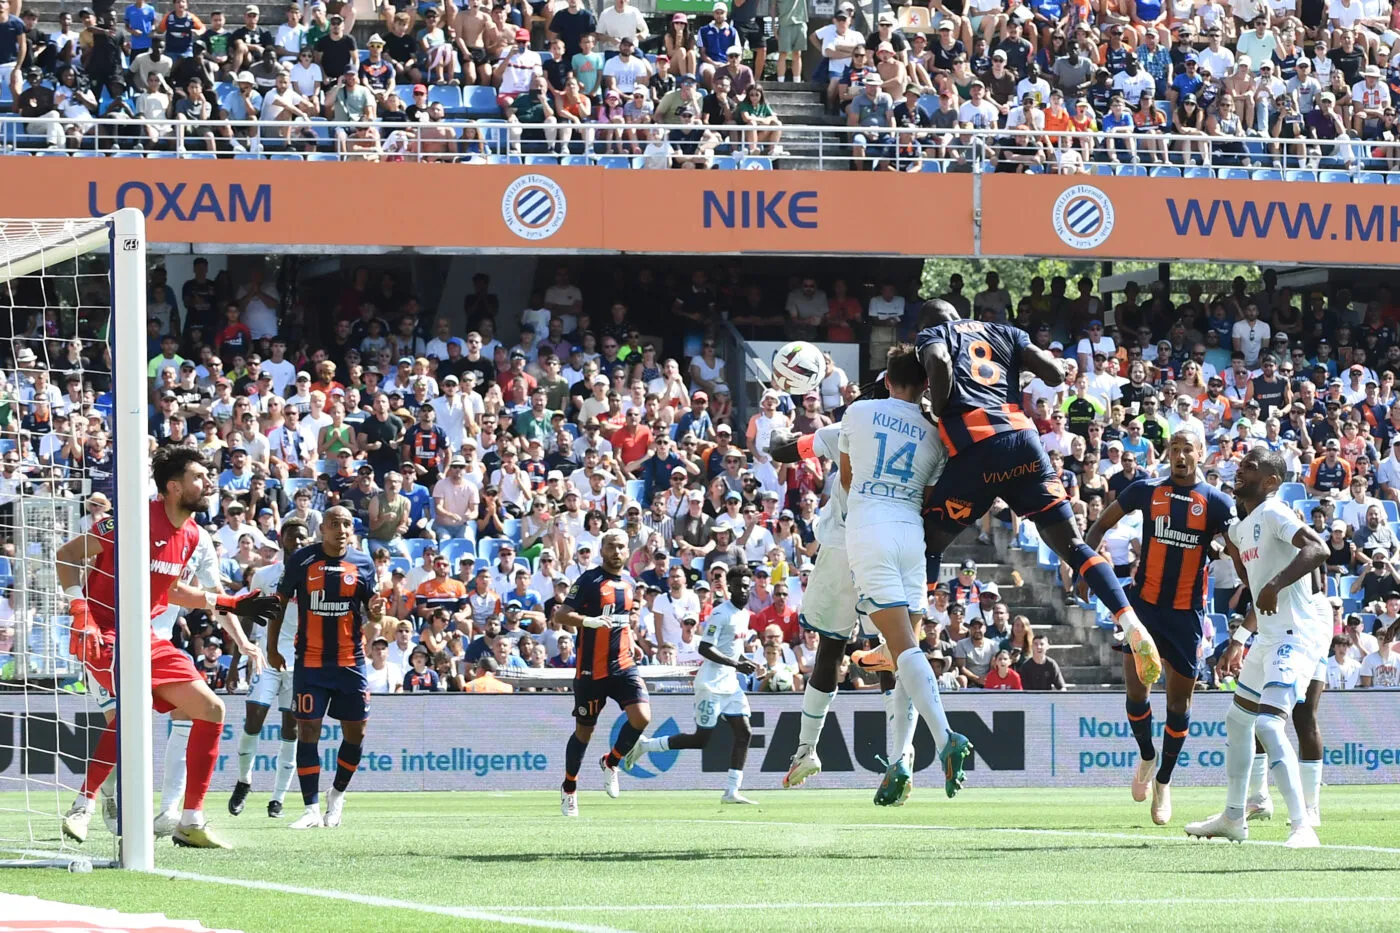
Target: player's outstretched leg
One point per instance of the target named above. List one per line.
(816, 700)
(1180, 689)
(104, 759)
(638, 717)
(900, 721)
(247, 753)
(738, 755)
(286, 765)
(1310, 751)
(1271, 729)
(1138, 706)
(347, 761)
(309, 773)
(172, 785)
(1239, 749)
(573, 763)
(195, 700)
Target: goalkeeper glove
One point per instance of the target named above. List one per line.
(250, 607)
(85, 640)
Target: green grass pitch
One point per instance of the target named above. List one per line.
(808, 859)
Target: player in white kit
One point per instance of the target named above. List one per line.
(829, 609)
(1278, 554)
(203, 571)
(890, 455)
(272, 686)
(717, 691)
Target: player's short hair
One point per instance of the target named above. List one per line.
(613, 534)
(1188, 435)
(902, 367)
(293, 524)
(936, 311)
(1269, 461)
(170, 463)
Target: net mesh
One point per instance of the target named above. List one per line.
(55, 455)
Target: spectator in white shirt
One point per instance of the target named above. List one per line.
(887, 307)
(620, 21)
(1093, 342)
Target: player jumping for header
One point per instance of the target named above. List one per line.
(974, 373)
(183, 485)
(717, 691)
(1180, 518)
(1276, 554)
(334, 589)
(598, 605)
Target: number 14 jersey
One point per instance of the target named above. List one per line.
(894, 453)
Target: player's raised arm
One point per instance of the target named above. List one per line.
(1042, 364)
(249, 607)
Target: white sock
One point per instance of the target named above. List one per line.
(1239, 751)
(192, 817)
(815, 703)
(286, 769)
(1283, 764)
(782, 78)
(87, 803)
(1258, 777)
(736, 778)
(916, 676)
(247, 749)
(900, 721)
(1311, 772)
(172, 787)
(655, 744)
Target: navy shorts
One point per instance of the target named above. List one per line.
(1177, 632)
(339, 692)
(590, 696)
(1011, 466)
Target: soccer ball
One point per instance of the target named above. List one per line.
(798, 368)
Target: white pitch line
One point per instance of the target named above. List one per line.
(370, 900)
(1071, 833)
(886, 905)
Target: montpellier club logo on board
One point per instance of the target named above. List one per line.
(534, 207)
(1083, 217)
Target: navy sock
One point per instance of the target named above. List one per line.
(1173, 737)
(573, 761)
(346, 761)
(933, 563)
(627, 736)
(1098, 574)
(1140, 721)
(309, 772)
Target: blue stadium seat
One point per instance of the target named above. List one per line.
(249, 157)
(928, 103)
(480, 101)
(121, 154)
(1370, 178)
(504, 160)
(94, 154)
(1334, 177)
(932, 166)
(416, 547)
(614, 161)
(1267, 174)
(635, 488)
(1392, 511)
(295, 483)
(405, 93)
(190, 154)
(575, 160)
(757, 163)
(59, 153)
(450, 96)
(1165, 171)
(1305, 507)
(488, 548)
(400, 563)
(1131, 171)
(496, 134)
(1235, 174)
(1197, 171)
(17, 152)
(456, 549)
(364, 56)
(541, 160)
(285, 156)
(726, 163)
(1102, 168)
(322, 157)
(1393, 178)
(513, 530)
(1300, 174)
(1292, 492)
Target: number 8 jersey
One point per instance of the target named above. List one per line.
(985, 397)
(894, 452)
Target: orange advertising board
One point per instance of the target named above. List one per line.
(506, 207)
(1172, 219)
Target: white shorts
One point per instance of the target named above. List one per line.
(829, 602)
(887, 562)
(710, 706)
(1277, 672)
(269, 687)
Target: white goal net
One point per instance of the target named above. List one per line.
(68, 288)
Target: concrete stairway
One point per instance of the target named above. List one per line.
(801, 103)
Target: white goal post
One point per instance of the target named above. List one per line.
(52, 272)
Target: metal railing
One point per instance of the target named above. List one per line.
(623, 145)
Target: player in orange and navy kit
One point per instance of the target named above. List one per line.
(974, 389)
(598, 606)
(1181, 515)
(184, 483)
(334, 587)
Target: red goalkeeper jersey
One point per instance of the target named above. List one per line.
(171, 549)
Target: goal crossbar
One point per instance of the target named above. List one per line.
(50, 242)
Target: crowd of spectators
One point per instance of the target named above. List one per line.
(1316, 78)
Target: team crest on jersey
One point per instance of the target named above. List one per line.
(1258, 533)
(1197, 509)
(349, 576)
(105, 526)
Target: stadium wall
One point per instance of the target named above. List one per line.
(458, 742)
(503, 208)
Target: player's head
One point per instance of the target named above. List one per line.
(294, 535)
(936, 311)
(1183, 453)
(182, 476)
(738, 581)
(1259, 474)
(337, 526)
(903, 371)
(613, 548)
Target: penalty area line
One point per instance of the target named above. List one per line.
(370, 900)
(1018, 831)
(887, 905)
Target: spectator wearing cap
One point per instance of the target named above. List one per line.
(518, 70)
(1328, 473)
(837, 42)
